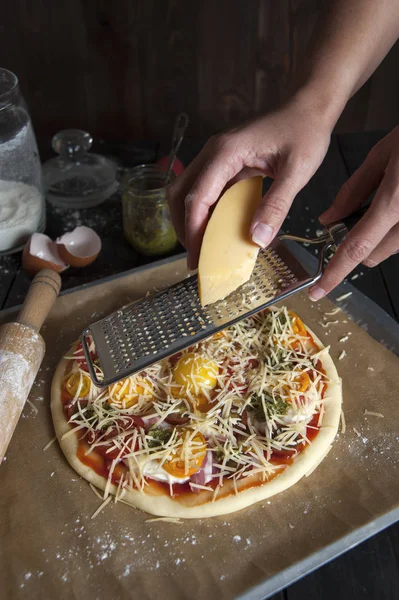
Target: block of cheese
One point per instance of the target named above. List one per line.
(228, 255)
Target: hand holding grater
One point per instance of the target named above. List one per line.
(157, 326)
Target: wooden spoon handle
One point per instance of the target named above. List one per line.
(40, 298)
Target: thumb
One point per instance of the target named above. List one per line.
(275, 205)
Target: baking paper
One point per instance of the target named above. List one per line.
(51, 548)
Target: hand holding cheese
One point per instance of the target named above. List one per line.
(228, 254)
(288, 146)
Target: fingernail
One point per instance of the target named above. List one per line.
(191, 267)
(262, 234)
(316, 293)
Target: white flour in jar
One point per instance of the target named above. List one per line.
(20, 213)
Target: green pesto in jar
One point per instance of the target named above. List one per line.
(146, 219)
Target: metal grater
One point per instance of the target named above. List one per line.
(157, 326)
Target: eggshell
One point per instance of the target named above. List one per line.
(40, 252)
(79, 247)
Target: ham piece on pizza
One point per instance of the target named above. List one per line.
(229, 422)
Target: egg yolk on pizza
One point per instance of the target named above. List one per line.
(127, 392)
(187, 459)
(196, 372)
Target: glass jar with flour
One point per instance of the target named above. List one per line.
(22, 208)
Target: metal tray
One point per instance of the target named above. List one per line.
(384, 329)
(362, 310)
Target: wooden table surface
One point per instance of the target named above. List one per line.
(369, 571)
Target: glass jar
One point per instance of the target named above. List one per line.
(78, 178)
(146, 219)
(22, 207)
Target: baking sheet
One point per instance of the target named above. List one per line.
(52, 548)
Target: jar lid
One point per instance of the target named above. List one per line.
(78, 178)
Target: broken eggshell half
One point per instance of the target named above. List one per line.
(79, 247)
(40, 252)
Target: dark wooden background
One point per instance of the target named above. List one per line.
(123, 69)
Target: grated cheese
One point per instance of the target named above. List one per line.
(197, 486)
(342, 355)
(371, 413)
(333, 312)
(328, 323)
(215, 493)
(101, 507)
(95, 490)
(120, 489)
(343, 422)
(71, 432)
(344, 297)
(166, 519)
(33, 407)
(47, 446)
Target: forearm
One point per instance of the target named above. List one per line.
(350, 41)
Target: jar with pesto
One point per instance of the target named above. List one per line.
(146, 220)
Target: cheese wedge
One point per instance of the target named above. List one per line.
(228, 255)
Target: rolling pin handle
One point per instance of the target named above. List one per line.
(39, 301)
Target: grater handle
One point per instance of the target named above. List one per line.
(340, 229)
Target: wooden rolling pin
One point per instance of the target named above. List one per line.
(22, 350)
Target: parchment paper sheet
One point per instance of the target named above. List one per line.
(51, 548)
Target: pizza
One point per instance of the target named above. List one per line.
(229, 422)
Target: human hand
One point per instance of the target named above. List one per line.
(287, 145)
(376, 236)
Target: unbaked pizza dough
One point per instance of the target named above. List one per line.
(212, 384)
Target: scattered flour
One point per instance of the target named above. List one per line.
(139, 550)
